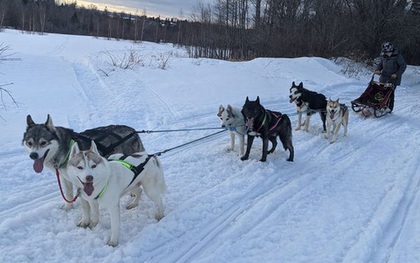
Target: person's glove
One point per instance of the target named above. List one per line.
(378, 72)
(394, 76)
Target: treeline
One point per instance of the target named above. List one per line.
(242, 29)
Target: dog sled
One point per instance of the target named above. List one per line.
(375, 100)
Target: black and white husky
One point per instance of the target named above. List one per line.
(268, 125)
(232, 119)
(337, 115)
(104, 181)
(49, 146)
(308, 102)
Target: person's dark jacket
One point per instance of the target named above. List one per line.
(394, 64)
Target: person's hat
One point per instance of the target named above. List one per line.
(387, 47)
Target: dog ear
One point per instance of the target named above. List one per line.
(49, 123)
(221, 109)
(93, 147)
(29, 121)
(229, 110)
(301, 85)
(74, 150)
(293, 84)
(247, 100)
(258, 99)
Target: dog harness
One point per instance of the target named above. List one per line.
(135, 169)
(234, 129)
(278, 117)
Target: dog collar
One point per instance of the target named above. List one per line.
(102, 192)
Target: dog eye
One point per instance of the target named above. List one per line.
(29, 144)
(43, 144)
(227, 118)
(93, 166)
(80, 167)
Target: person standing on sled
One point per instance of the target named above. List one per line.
(391, 67)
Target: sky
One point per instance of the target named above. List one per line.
(163, 8)
(355, 200)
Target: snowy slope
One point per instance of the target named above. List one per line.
(352, 201)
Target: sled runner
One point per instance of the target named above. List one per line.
(375, 100)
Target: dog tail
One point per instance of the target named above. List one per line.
(286, 139)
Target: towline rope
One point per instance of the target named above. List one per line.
(178, 130)
(191, 142)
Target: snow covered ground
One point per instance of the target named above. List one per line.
(356, 200)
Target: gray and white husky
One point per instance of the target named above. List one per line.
(49, 146)
(105, 181)
(337, 115)
(232, 119)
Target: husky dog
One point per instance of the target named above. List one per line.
(105, 181)
(337, 115)
(308, 102)
(49, 145)
(268, 125)
(233, 120)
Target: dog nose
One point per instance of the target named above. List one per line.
(33, 156)
(89, 178)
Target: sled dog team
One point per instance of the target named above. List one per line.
(254, 120)
(108, 162)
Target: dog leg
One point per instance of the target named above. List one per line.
(114, 211)
(299, 121)
(335, 132)
(250, 140)
(232, 141)
(94, 210)
(241, 144)
(327, 135)
(264, 150)
(306, 128)
(135, 193)
(84, 222)
(323, 118)
(152, 190)
(274, 144)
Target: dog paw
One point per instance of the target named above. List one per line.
(112, 243)
(243, 158)
(67, 207)
(158, 216)
(83, 223)
(92, 224)
(131, 206)
(297, 128)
